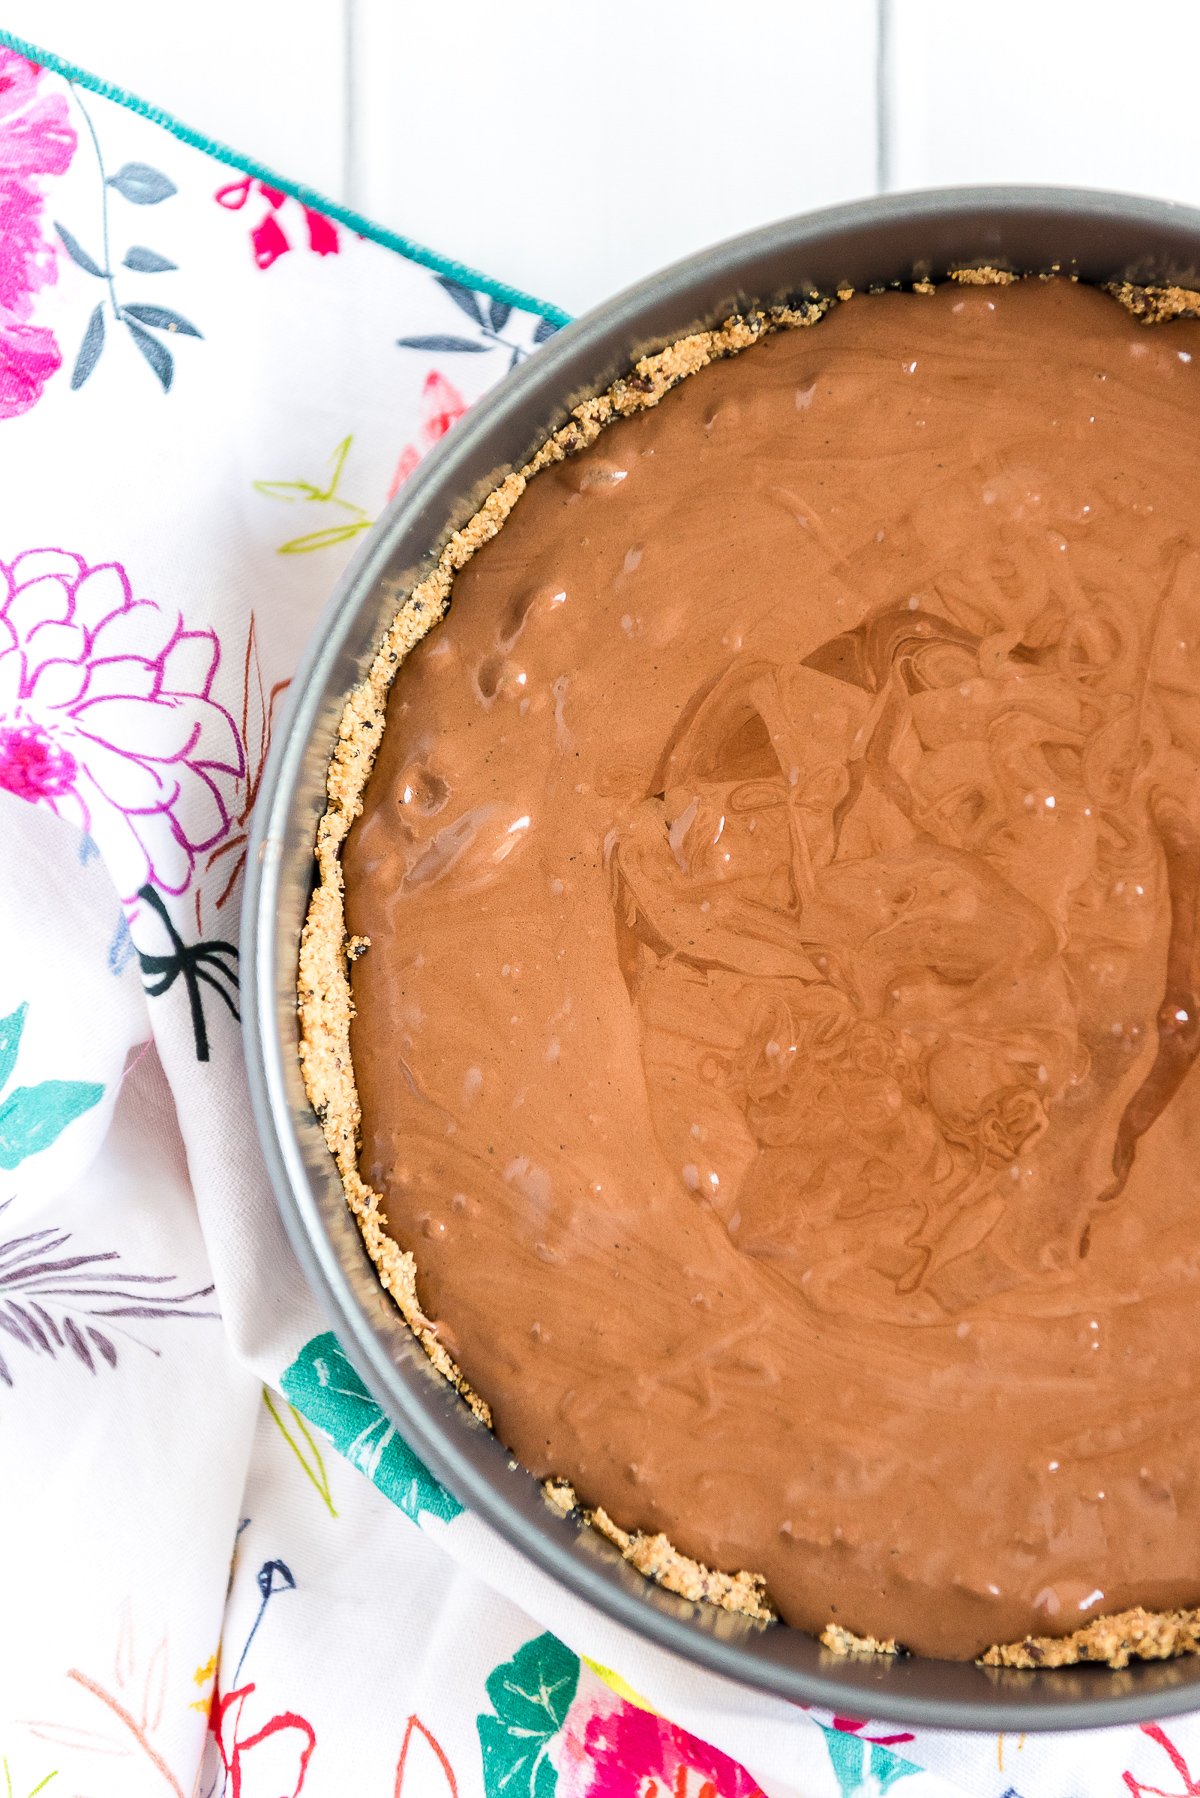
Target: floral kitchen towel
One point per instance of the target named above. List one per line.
(221, 1569)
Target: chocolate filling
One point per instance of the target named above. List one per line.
(776, 1039)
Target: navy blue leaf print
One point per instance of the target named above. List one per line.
(89, 349)
(77, 253)
(545, 328)
(464, 298)
(500, 314)
(441, 343)
(159, 318)
(275, 1576)
(146, 262)
(156, 354)
(141, 185)
(268, 1585)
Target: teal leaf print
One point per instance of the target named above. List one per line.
(864, 1768)
(32, 1117)
(10, 1041)
(530, 1696)
(323, 1386)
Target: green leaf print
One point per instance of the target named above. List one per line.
(530, 1695)
(863, 1768)
(325, 495)
(324, 1387)
(10, 1790)
(32, 1117)
(309, 1455)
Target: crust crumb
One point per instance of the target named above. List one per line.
(983, 277)
(920, 287)
(560, 1496)
(1156, 305)
(655, 1557)
(844, 1641)
(1125, 1636)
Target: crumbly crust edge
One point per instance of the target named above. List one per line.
(1118, 1639)
(326, 1007)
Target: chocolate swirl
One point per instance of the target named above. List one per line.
(898, 873)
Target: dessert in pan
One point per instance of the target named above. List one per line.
(751, 988)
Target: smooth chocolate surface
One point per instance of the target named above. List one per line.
(776, 1042)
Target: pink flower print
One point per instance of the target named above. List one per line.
(107, 718)
(29, 355)
(610, 1748)
(441, 406)
(268, 239)
(35, 140)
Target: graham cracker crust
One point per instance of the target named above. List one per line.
(843, 1641)
(1116, 1640)
(326, 951)
(1156, 305)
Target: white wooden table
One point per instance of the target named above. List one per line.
(573, 146)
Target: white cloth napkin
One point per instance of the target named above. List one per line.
(208, 387)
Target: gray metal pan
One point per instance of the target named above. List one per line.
(897, 237)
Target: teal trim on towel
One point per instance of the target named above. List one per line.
(345, 215)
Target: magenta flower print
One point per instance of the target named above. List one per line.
(107, 717)
(610, 1748)
(35, 140)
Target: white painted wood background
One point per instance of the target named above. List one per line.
(571, 146)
